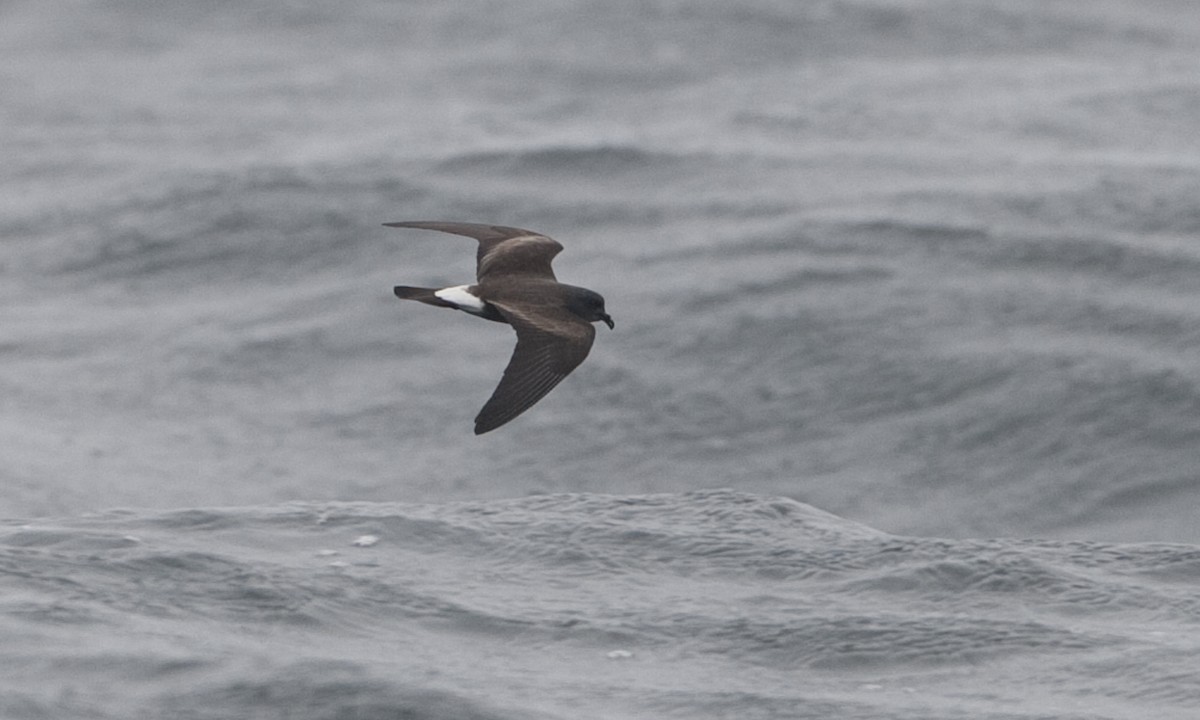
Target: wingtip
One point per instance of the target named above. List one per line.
(488, 424)
(479, 231)
(422, 224)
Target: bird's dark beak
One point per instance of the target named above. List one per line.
(607, 321)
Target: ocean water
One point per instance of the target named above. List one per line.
(712, 604)
(900, 417)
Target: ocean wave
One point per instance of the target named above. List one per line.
(265, 223)
(591, 161)
(382, 607)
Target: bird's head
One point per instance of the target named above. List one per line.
(589, 306)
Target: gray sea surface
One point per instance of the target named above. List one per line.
(900, 417)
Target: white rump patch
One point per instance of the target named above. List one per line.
(460, 298)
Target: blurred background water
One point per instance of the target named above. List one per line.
(928, 266)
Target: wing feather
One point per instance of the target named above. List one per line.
(502, 250)
(551, 342)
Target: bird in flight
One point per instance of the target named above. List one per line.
(514, 284)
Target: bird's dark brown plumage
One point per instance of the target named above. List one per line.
(502, 250)
(515, 284)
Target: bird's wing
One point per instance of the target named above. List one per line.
(551, 342)
(502, 250)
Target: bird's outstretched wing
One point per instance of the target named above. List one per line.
(551, 342)
(502, 250)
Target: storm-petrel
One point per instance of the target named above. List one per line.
(515, 285)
